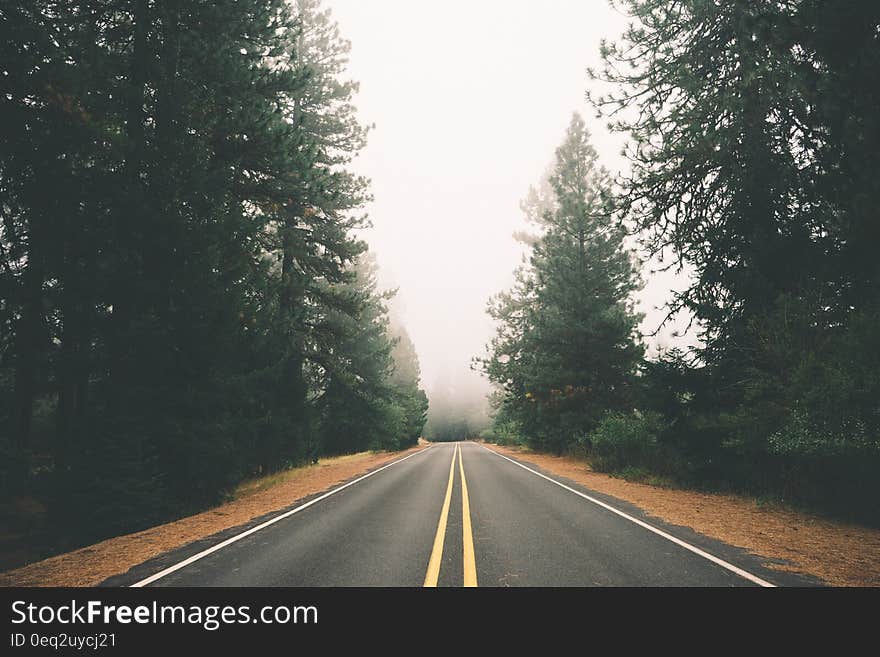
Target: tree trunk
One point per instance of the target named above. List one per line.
(131, 210)
(29, 340)
(73, 365)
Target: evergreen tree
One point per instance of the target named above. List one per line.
(355, 404)
(406, 384)
(176, 243)
(372, 398)
(714, 172)
(565, 352)
(312, 226)
(748, 168)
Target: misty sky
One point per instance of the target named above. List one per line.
(470, 99)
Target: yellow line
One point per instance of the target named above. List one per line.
(437, 553)
(470, 563)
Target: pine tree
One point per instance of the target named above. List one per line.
(406, 384)
(565, 352)
(750, 169)
(356, 404)
(162, 301)
(313, 224)
(715, 115)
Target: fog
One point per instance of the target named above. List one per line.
(469, 101)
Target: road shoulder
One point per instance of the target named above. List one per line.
(106, 561)
(833, 552)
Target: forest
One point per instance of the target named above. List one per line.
(752, 139)
(188, 299)
(185, 298)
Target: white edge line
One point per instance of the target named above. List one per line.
(687, 546)
(271, 521)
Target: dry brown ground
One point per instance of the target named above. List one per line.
(838, 553)
(93, 564)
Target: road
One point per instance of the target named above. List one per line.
(458, 514)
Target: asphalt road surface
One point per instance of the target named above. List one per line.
(457, 514)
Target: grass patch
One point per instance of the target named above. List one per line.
(259, 484)
(769, 501)
(641, 475)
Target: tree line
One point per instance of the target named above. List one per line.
(184, 298)
(458, 409)
(753, 145)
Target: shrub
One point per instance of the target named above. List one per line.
(504, 433)
(623, 441)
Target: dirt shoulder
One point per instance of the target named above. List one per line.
(839, 554)
(93, 564)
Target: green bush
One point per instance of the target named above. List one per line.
(804, 436)
(504, 433)
(627, 441)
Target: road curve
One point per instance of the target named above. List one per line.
(508, 526)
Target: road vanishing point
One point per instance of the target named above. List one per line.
(452, 515)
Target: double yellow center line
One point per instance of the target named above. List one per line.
(470, 566)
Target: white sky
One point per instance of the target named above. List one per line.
(470, 100)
